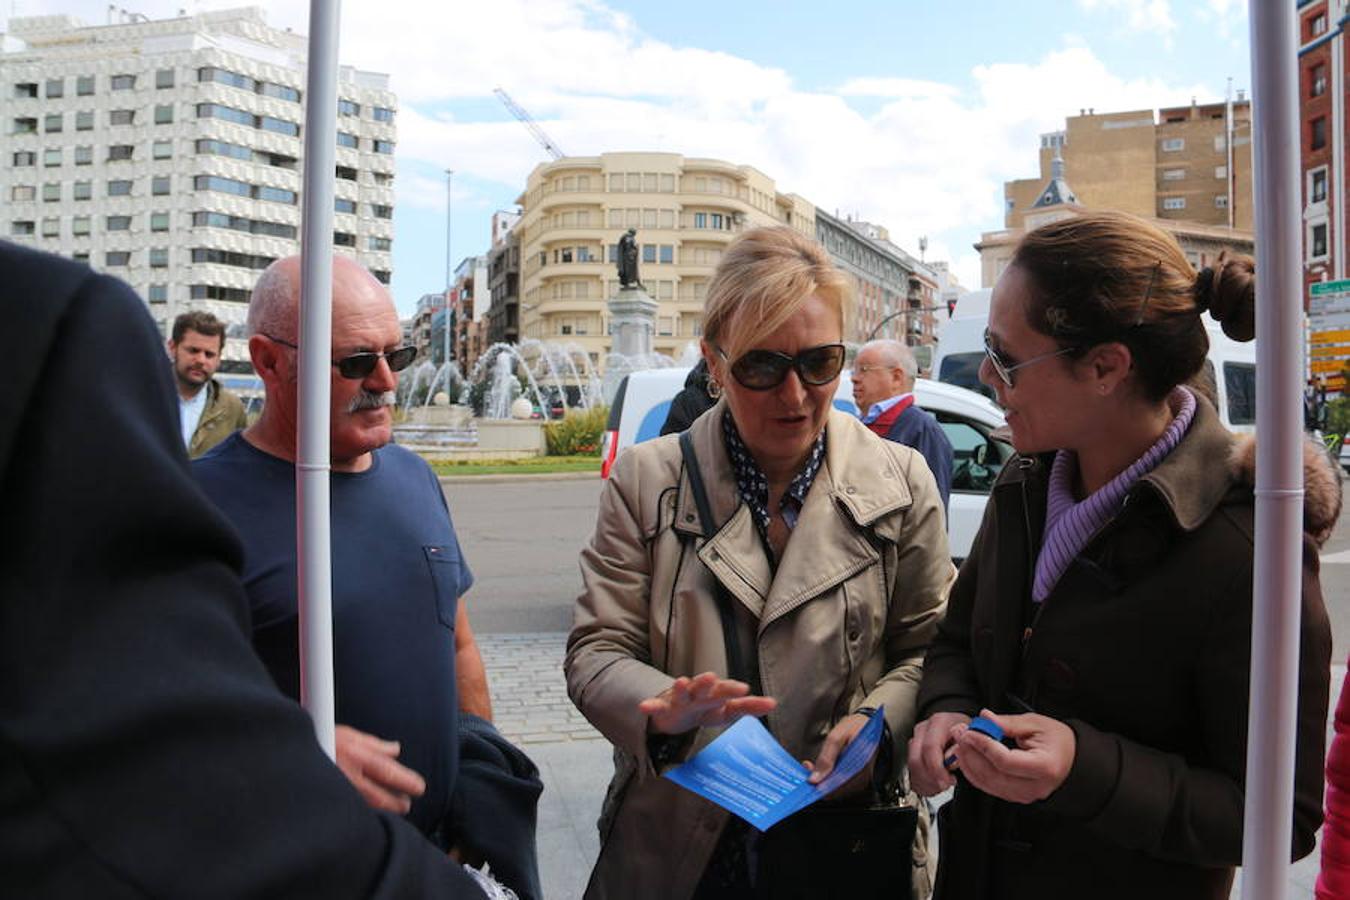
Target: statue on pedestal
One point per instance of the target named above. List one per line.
(628, 259)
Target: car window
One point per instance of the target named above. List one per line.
(977, 458)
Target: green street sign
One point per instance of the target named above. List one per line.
(1331, 287)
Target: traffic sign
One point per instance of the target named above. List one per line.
(1330, 287)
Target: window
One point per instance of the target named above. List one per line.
(280, 126)
(159, 221)
(649, 253)
(1172, 145)
(1174, 203)
(1317, 80)
(700, 220)
(56, 87)
(51, 192)
(159, 257)
(25, 126)
(584, 255)
(381, 275)
(383, 178)
(23, 158)
(163, 79)
(224, 76)
(79, 225)
(228, 113)
(344, 206)
(1220, 201)
(84, 120)
(116, 258)
(164, 114)
(1317, 241)
(224, 185)
(51, 157)
(221, 148)
(22, 227)
(215, 292)
(280, 91)
(161, 150)
(344, 239)
(1318, 133)
(717, 221)
(22, 192)
(230, 258)
(381, 211)
(348, 108)
(616, 182)
(1220, 171)
(25, 90)
(119, 188)
(120, 152)
(1317, 185)
(51, 124)
(118, 223)
(346, 173)
(382, 244)
(122, 117)
(160, 185)
(80, 256)
(1173, 174)
(1318, 25)
(239, 223)
(382, 114)
(84, 86)
(124, 82)
(158, 293)
(274, 194)
(382, 146)
(82, 190)
(347, 140)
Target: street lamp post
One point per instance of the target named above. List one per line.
(901, 312)
(449, 278)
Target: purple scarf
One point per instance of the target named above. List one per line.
(1069, 525)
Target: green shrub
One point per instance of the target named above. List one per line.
(578, 433)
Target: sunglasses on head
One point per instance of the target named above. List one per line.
(763, 370)
(1004, 368)
(358, 366)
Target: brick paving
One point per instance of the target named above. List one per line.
(529, 696)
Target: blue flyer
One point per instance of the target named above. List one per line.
(748, 773)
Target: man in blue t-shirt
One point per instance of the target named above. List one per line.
(405, 661)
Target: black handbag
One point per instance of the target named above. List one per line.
(859, 850)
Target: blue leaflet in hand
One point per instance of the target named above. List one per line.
(747, 772)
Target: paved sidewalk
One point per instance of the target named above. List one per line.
(531, 707)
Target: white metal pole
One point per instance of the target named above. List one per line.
(449, 276)
(313, 547)
(1279, 465)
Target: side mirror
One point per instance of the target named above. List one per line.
(980, 455)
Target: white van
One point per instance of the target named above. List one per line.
(1231, 364)
(643, 400)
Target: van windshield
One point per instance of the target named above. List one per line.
(963, 370)
(1239, 380)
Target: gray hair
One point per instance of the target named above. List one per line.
(274, 307)
(894, 353)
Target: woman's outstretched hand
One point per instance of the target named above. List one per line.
(701, 702)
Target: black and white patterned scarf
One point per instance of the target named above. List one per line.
(753, 486)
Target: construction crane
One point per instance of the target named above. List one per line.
(516, 110)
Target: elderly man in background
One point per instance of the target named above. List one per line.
(405, 659)
(883, 387)
(207, 411)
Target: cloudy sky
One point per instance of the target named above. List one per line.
(910, 114)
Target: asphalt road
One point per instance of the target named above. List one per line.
(521, 539)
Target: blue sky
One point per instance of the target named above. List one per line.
(908, 114)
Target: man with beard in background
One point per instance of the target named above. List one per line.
(208, 412)
(405, 659)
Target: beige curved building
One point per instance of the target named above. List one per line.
(685, 210)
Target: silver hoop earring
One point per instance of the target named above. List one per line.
(714, 389)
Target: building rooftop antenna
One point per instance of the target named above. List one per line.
(525, 119)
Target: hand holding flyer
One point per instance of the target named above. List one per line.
(747, 772)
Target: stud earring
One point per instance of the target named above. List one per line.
(714, 389)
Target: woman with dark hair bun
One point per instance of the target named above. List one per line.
(1103, 618)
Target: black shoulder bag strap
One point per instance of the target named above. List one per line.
(737, 666)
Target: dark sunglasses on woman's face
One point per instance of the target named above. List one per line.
(763, 370)
(358, 366)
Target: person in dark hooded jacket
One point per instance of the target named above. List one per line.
(1104, 615)
(693, 401)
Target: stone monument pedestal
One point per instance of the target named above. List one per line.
(632, 312)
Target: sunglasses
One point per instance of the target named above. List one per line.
(1005, 369)
(358, 366)
(764, 370)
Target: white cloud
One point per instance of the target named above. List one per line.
(1138, 15)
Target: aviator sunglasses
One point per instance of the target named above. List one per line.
(763, 370)
(359, 365)
(1005, 369)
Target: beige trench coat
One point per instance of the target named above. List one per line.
(843, 623)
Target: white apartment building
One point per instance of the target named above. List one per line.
(168, 153)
